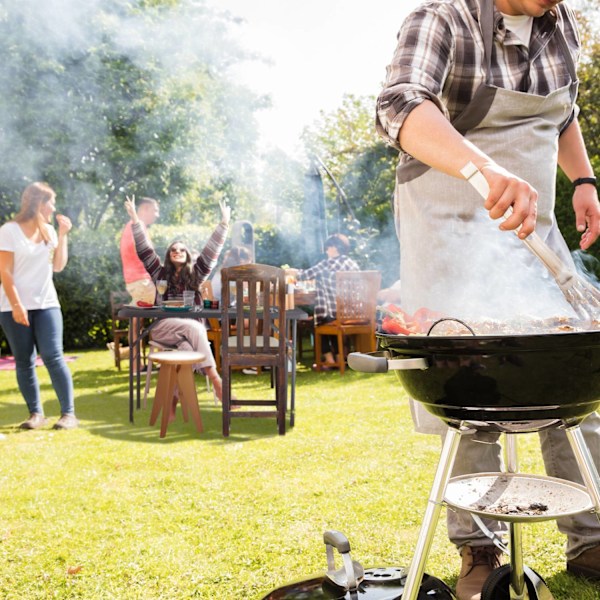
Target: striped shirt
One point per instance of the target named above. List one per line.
(324, 275)
(440, 57)
(204, 264)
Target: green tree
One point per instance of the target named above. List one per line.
(111, 97)
(364, 167)
(588, 101)
(121, 96)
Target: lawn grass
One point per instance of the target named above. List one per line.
(111, 511)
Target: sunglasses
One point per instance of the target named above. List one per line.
(177, 250)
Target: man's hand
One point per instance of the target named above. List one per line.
(130, 208)
(225, 211)
(509, 191)
(587, 214)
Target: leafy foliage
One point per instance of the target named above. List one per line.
(113, 97)
(364, 166)
(588, 99)
(123, 97)
(83, 288)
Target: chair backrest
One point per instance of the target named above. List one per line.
(256, 294)
(117, 301)
(356, 296)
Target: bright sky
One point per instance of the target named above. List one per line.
(321, 49)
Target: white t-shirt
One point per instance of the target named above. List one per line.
(32, 268)
(520, 25)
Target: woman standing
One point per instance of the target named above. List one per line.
(30, 315)
(181, 273)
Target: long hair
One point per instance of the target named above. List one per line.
(33, 197)
(187, 275)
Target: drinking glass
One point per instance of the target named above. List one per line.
(161, 288)
(188, 297)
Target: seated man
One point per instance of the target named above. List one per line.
(336, 248)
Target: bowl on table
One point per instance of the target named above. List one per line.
(175, 305)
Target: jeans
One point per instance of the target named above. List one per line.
(185, 334)
(44, 335)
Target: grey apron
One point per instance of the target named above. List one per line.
(454, 259)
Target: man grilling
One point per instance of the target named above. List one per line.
(492, 83)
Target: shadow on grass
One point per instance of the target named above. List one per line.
(102, 405)
(109, 414)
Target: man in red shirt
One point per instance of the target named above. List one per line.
(137, 281)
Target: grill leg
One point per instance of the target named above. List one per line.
(432, 514)
(586, 464)
(518, 589)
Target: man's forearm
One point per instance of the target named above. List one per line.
(430, 138)
(572, 155)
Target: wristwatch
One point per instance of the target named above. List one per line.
(581, 180)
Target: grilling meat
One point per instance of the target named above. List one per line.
(393, 320)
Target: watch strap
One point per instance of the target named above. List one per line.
(581, 180)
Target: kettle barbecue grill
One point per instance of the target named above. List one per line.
(509, 384)
(352, 582)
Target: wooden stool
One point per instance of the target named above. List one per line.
(176, 372)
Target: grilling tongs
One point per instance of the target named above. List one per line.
(583, 296)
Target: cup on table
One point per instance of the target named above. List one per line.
(161, 288)
(188, 297)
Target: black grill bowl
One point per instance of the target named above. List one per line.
(502, 378)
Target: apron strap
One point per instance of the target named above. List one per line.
(486, 24)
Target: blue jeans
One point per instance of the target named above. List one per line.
(44, 335)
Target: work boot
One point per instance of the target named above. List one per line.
(477, 564)
(587, 564)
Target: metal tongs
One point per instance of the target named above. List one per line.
(582, 295)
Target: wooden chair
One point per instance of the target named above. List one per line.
(176, 374)
(119, 328)
(305, 329)
(356, 300)
(258, 293)
(213, 331)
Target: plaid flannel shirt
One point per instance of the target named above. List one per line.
(439, 57)
(324, 275)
